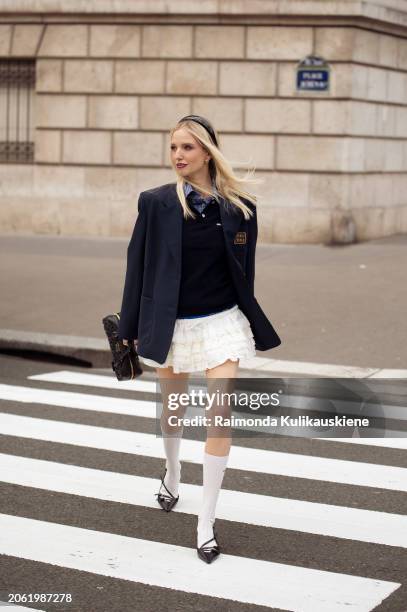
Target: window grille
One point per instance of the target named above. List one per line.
(17, 96)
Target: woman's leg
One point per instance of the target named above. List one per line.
(220, 380)
(171, 382)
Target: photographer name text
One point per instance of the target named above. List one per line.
(268, 421)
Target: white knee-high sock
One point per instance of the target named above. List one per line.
(214, 467)
(172, 477)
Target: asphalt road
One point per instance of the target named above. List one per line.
(100, 536)
(330, 305)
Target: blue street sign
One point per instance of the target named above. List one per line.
(313, 74)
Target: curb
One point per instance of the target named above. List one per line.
(96, 353)
(93, 351)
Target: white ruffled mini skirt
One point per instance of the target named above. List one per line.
(208, 341)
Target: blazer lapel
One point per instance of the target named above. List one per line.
(171, 217)
(230, 222)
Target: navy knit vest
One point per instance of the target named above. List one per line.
(206, 284)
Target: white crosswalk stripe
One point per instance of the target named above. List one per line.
(265, 583)
(264, 510)
(80, 401)
(96, 380)
(239, 578)
(10, 607)
(391, 411)
(148, 409)
(253, 460)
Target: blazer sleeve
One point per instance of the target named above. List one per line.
(251, 252)
(133, 284)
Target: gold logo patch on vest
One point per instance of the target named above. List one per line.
(240, 238)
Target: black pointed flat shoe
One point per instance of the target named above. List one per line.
(167, 502)
(209, 553)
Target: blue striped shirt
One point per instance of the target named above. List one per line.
(197, 200)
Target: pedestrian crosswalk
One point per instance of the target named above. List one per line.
(358, 530)
(392, 411)
(164, 565)
(148, 408)
(16, 608)
(241, 458)
(265, 510)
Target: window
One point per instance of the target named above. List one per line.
(17, 89)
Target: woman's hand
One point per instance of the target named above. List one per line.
(126, 343)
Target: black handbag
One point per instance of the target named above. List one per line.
(126, 363)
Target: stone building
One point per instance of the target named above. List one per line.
(89, 89)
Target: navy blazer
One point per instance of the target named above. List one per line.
(153, 274)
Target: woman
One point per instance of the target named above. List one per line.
(188, 299)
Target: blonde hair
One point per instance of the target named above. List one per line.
(228, 185)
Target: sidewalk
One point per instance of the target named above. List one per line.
(331, 306)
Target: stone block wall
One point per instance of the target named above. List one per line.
(334, 163)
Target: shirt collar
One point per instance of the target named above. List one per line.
(188, 188)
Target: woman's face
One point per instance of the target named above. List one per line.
(186, 150)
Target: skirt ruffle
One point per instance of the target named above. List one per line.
(206, 342)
